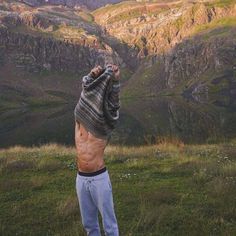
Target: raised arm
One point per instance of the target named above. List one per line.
(93, 74)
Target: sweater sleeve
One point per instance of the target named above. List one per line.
(87, 80)
(114, 96)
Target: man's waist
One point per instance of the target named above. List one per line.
(94, 173)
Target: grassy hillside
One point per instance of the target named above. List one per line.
(168, 188)
(19, 89)
(159, 29)
(221, 3)
(128, 10)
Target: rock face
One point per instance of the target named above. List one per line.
(186, 48)
(195, 57)
(180, 48)
(37, 53)
(156, 28)
(203, 64)
(41, 40)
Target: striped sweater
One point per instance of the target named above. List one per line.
(99, 103)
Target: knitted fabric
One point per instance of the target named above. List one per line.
(98, 106)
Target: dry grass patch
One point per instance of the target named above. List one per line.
(18, 165)
(68, 207)
(50, 149)
(50, 164)
(229, 170)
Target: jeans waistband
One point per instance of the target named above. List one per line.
(91, 174)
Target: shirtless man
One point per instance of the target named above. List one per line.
(93, 185)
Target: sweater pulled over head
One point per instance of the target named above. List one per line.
(98, 107)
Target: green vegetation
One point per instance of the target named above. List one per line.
(139, 85)
(127, 10)
(125, 74)
(112, 7)
(134, 13)
(124, 16)
(168, 188)
(224, 24)
(45, 95)
(221, 3)
(23, 29)
(86, 16)
(69, 32)
(60, 31)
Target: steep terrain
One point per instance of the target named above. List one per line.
(170, 47)
(44, 50)
(184, 48)
(49, 33)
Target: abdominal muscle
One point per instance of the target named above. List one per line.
(90, 150)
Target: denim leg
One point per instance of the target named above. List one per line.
(88, 210)
(102, 195)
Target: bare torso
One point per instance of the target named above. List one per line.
(90, 150)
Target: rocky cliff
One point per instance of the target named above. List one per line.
(38, 41)
(182, 47)
(155, 28)
(46, 38)
(35, 53)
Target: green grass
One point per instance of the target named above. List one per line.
(23, 29)
(139, 85)
(86, 16)
(221, 3)
(68, 32)
(163, 189)
(114, 7)
(127, 10)
(134, 13)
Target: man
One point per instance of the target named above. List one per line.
(96, 115)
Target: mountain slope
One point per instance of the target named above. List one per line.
(41, 46)
(202, 64)
(155, 28)
(182, 47)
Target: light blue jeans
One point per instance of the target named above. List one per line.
(95, 194)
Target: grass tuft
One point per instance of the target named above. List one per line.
(50, 164)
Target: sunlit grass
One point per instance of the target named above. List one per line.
(221, 3)
(222, 25)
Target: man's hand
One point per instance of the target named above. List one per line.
(116, 71)
(96, 71)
